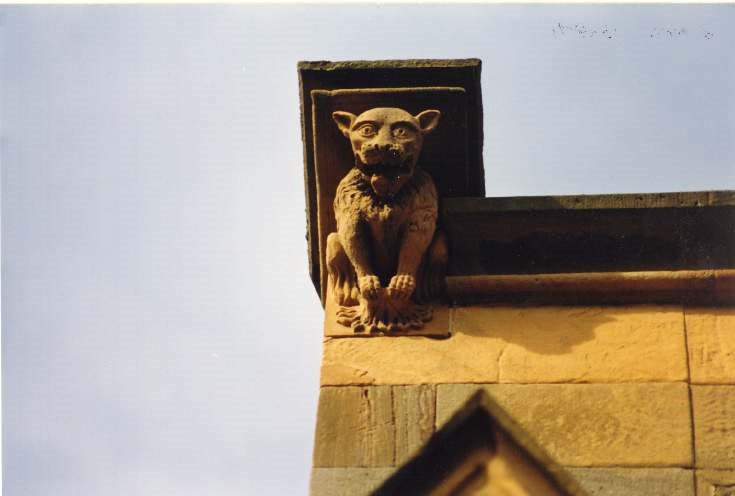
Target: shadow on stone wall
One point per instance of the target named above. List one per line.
(543, 330)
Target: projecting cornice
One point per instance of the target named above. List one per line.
(662, 248)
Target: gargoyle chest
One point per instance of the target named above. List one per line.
(386, 224)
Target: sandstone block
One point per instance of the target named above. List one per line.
(410, 360)
(714, 426)
(342, 481)
(581, 344)
(635, 481)
(413, 410)
(587, 425)
(372, 426)
(711, 339)
(522, 345)
(354, 428)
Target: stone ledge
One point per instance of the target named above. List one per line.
(326, 65)
(683, 286)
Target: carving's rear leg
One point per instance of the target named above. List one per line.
(431, 284)
(341, 280)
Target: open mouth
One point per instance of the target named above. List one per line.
(386, 169)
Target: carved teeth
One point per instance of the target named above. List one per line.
(387, 170)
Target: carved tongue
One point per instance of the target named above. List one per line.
(381, 185)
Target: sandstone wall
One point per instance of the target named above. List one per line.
(634, 400)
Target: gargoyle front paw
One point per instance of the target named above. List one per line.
(369, 286)
(401, 286)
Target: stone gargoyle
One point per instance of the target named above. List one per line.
(387, 260)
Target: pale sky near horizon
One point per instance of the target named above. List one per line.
(160, 331)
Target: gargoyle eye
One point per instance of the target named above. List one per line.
(402, 132)
(366, 130)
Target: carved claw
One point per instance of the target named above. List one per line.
(384, 314)
(402, 286)
(369, 286)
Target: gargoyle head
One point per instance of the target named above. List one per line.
(386, 143)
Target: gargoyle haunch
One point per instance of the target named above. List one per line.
(386, 260)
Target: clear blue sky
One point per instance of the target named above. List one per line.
(160, 332)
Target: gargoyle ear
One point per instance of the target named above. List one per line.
(344, 121)
(428, 120)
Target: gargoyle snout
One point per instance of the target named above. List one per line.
(385, 150)
(390, 150)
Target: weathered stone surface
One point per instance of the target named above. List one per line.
(411, 360)
(714, 426)
(593, 424)
(354, 428)
(437, 327)
(342, 481)
(414, 411)
(715, 482)
(522, 345)
(372, 426)
(711, 339)
(581, 344)
(635, 481)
